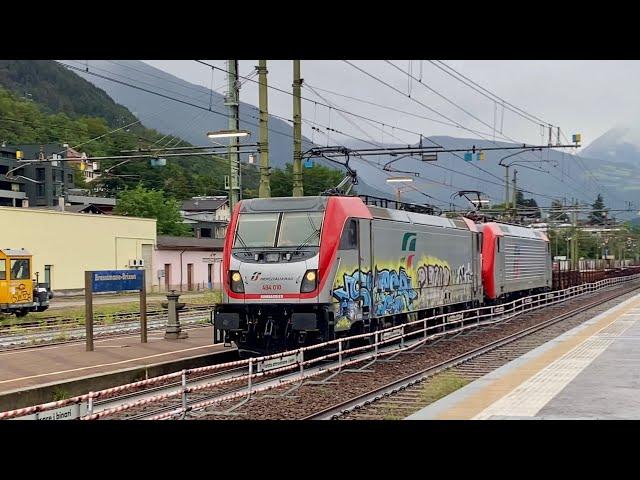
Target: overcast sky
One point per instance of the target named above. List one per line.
(587, 97)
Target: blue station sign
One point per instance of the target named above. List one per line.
(117, 280)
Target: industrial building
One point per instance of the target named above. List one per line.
(65, 244)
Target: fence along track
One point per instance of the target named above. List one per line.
(381, 346)
(404, 395)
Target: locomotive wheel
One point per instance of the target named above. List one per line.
(22, 312)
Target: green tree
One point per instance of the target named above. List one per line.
(140, 202)
(598, 212)
(529, 205)
(78, 177)
(315, 180)
(556, 212)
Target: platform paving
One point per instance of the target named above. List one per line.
(589, 372)
(34, 374)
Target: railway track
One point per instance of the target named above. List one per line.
(404, 396)
(473, 354)
(329, 388)
(71, 330)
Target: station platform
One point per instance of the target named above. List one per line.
(589, 372)
(40, 374)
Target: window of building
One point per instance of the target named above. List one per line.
(40, 190)
(205, 233)
(70, 178)
(3, 269)
(4, 169)
(40, 174)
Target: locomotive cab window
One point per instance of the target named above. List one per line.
(349, 240)
(256, 230)
(3, 269)
(300, 229)
(20, 269)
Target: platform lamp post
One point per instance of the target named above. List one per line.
(235, 173)
(399, 187)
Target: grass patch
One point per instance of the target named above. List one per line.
(60, 394)
(442, 385)
(432, 390)
(110, 310)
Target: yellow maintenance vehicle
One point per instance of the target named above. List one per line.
(19, 293)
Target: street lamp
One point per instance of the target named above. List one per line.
(229, 134)
(399, 179)
(399, 188)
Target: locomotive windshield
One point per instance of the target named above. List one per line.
(300, 229)
(256, 230)
(267, 230)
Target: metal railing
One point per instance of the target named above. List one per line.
(378, 344)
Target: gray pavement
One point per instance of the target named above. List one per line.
(609, 388)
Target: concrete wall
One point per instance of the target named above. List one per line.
(200, 261)
(72, 243)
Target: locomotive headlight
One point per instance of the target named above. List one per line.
(309, 281)
(237, 285)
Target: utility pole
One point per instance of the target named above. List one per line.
(515, 204)
(263, 147)
(298, 190)
(233, 103)
(506, 190)
(574, 237)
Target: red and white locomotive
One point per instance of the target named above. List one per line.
(298, 270)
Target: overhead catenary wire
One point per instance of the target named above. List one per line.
(490, 95)
(174, 99)
(347, 113)
(431, 109)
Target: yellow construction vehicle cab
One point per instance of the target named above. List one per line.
(19, 293)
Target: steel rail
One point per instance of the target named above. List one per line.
(395, 386)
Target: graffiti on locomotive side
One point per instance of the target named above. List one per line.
(393, 291)
(439, 274)
(397, 287)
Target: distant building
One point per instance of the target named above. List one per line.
(207, 216)
(12, 188)
(77, 197)
(65, 244)
(186, 263)
(88, 168)
(46, 184)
